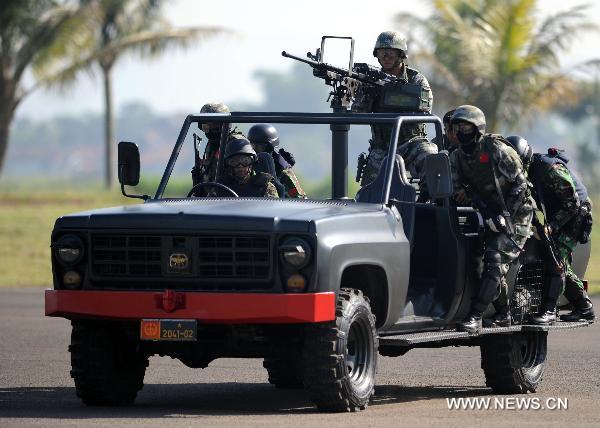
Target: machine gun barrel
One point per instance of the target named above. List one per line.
(341, 72)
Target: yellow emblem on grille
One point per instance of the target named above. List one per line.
(178, 261)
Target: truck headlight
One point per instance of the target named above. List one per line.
(295, 252)
(68, 250)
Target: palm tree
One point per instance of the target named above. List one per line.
(108, 30)
(28, 31)
(497, 55)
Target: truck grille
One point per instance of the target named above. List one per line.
(126, 255)
(211, 257)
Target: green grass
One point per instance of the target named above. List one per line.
(27, 219)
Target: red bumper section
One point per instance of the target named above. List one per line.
(214, 308)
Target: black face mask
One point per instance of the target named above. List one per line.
(466, 141)
(213, 134)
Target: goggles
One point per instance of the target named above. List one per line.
(238, 161)
(463, 127)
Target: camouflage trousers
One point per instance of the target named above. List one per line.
(414, 152)
(566, 245)
(500, 251)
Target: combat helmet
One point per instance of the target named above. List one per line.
(264, 133)
(522, 148)
(391, 40)
(214, 108)
(239, 146)
(470, 114)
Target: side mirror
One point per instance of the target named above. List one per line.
(129, 164)
(438, 175)
(129, 167)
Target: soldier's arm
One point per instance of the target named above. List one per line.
(460, 193)
(292, 185)
(271, 191)
(558, 181)
(511, 171)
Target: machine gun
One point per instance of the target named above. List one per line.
(343, 81)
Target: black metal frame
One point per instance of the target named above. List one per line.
(339, 124)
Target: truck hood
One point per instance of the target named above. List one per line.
(257, 214)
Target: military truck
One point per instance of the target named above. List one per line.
(317, 288)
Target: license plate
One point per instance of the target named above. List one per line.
(168, 330)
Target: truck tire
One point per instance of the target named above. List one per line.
(340, 357)
(514, 363)
(106, 365)
(285, 372)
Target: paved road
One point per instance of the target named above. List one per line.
(36, 390)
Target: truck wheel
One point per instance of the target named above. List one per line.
(107, 366)
(285, 372)
(514, 363)
(340, 357)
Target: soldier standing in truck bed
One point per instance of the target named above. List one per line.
(410, 93)
(491, 173)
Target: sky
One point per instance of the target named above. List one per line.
(222, 68)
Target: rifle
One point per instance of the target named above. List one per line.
(549, 245)
(488, 213)
(198, 169)
(362, 162)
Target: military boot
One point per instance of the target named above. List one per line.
(584, 310)
(547, 313)
(472, 323)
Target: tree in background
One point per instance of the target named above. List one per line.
(108, 30)
(28, 31)
(496, 54)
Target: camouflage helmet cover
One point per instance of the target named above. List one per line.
(470, 114)
(214, 108)
(391, 40)
(239, 146)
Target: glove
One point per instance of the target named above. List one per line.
(496, 224)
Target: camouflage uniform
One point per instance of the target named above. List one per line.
(264, 137)
(480, 161)
(566, 202)
(413, 145)
(206, 169)
(260, 185)
(210, 160)
(474, 171)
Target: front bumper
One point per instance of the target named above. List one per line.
(212, 308)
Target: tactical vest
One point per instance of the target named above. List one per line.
(255, 187)
(397, 97)
(476, 170)
(540, 166)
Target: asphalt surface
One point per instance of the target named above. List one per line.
(36, 389)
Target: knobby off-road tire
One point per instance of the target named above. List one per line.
(340, 357)
(514, 363)
(285, 372)
(106, 365)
